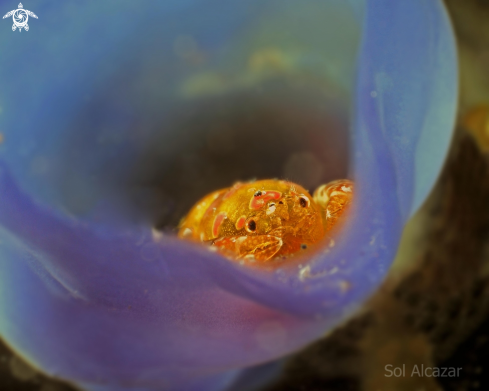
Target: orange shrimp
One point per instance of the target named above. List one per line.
(266, 219)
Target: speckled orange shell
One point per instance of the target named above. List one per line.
(266, 219)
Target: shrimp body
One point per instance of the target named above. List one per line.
(266, 219)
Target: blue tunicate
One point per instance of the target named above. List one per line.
(89, 290)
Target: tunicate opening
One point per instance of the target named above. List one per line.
(198, 107)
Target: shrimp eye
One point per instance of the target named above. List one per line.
(251, 225)
(258, 193)
(304, 201)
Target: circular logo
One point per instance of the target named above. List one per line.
(20, 18)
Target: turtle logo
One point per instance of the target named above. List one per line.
(20, 17)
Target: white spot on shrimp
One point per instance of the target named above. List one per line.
(271, 209)
(346, 189)
(240, 240)
(187, 232)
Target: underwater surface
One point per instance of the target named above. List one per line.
(118, 119)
